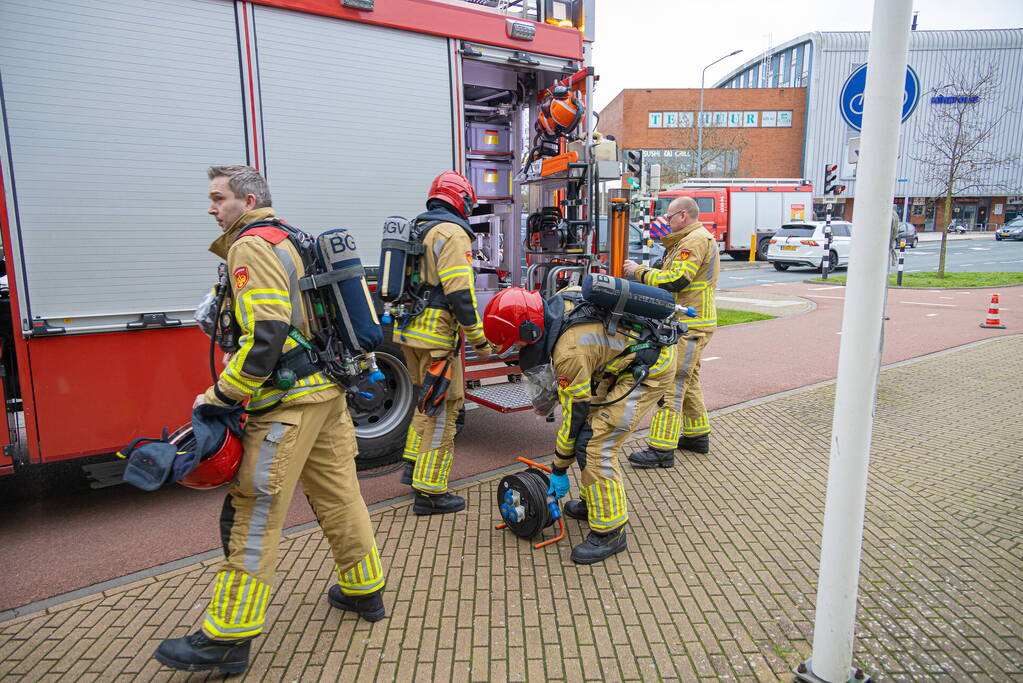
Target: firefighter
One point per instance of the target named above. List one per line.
(303, 433)
(602, 403)
(430, 340)
(690, 271)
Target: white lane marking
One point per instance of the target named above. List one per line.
(965, 264)
(980, 248)
(766, 281)
(818, 289)
(711, 358)
(945, 297)
(825, 296)
(741, 278)
(758, 302)
(924, 303)
(931, 315)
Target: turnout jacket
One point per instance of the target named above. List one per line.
(690, 272)
(584, 356)
(264, 298)
(446, 268)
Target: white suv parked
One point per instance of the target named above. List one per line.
(802, 244)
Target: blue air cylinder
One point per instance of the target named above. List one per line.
(394, 249)
(615, 294)
(344, 284)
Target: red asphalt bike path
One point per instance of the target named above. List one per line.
(54, 546)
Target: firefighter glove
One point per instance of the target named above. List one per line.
(434, 391)
(559, 483)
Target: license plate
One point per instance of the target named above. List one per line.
(788, 248)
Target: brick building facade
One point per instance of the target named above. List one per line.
(746, 133)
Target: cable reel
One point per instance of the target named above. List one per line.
(524, 505)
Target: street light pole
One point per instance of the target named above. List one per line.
(699, 118)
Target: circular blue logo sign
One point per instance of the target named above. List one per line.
(851, 99)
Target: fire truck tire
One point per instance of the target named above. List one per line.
(739, 255)
(763, 242)
(381, 423)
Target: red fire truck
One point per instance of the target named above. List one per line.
(736, 209)
(111, 112)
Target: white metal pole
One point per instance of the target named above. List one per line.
(860, 354)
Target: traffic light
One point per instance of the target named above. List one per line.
(831, 180)
(634, 162)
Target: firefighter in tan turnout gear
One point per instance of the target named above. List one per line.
(303, 433)
(690, 271)
(602, 401)
(430, 340)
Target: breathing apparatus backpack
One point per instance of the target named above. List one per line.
(646, 315)
(401, 288)
(343, 323)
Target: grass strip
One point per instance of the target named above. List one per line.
(955, 280)
(728, 316)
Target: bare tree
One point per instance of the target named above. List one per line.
(719, 144)
(956, 146)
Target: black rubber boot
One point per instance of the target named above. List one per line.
(406, 476)
(598, 547)
(198, 653)
(370, 607)
(437, 505)
(576, 509)
(652, 457)
(696, 444)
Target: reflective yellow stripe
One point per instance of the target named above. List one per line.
(449, 273)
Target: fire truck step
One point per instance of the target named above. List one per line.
(103, 474)
(506, 397)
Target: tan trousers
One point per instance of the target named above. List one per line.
(600, 440)
(683, 408)
(313, 443)
(430, 443)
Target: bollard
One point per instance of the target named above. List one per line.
(753, 248)
(902, 260)
(826, 261)
(646, 238)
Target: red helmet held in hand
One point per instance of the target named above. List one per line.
(216, 470)
(514, 314)
(455, 189)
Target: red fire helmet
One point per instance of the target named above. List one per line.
(216, 470)
(455, 189)
(514, 314)
(560, 112)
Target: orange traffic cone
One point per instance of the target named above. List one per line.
(992, 315)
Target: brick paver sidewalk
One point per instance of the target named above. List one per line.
(718, 584)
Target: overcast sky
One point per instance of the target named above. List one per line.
(667, 43)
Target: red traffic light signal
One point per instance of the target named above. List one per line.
(831, 179)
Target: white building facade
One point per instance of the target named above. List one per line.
(831, 66)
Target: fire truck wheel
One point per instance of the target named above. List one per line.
(381, 422)
(763, 242)
(739, 255)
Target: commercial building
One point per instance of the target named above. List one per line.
(745, 133)
(827, 70)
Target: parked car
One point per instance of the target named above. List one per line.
(957, 228)
(803, 244)
(1013, 230)
(906, 231)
